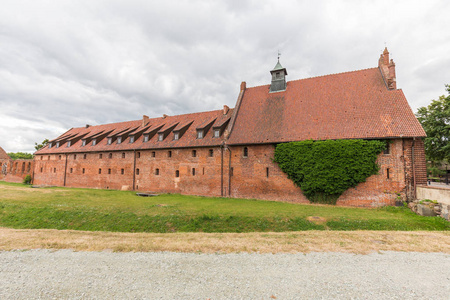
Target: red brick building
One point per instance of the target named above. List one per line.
(229, 152)
(14, 170)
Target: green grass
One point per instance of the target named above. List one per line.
(123, 211)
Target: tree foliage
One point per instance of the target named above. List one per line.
(41, 145)
(326, 169)
(435, 120)
(20, 155)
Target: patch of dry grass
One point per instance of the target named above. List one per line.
(360, 242)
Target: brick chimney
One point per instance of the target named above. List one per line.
(225, 109)
(144, 120)
(243, 85)
(387, 68)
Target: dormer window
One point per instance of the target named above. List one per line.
(69, 143)
(176, 135)
(131, 138)
(49, 145)
(146, 138)
(94, 142)
(199, 134)
(216, 133)
(119, 140)
(109, 141)
(83, 143)
(160, 137)
(57, 144)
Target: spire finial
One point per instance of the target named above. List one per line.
(279, 54)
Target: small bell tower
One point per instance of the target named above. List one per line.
(278, 77)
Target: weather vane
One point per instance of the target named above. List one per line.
(279, 54)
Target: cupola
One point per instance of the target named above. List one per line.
(278, 78)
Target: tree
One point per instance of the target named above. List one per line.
(41, 145)
(20, 155)
(435, 120)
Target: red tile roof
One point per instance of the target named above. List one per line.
(3, 154)
(188, 139)
(339, 106)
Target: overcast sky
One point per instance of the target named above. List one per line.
(65, 64)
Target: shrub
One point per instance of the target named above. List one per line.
(27, 179)
(326, 169)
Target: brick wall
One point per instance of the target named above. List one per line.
(15, 170)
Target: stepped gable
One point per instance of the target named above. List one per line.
(3, 154)
(185, 125)
(352, 105)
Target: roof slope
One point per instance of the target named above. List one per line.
(3, 154)
(144, 127)
(339, 106)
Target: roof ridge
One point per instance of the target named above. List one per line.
(319, 76)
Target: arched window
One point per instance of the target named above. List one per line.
(177, 173)
(156, 171)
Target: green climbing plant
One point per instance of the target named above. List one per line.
(326, 169)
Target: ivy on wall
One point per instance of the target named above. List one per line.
(326, 169)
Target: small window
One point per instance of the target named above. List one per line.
(71, 170)
(211, 152)
(42, 157)
(74, 156)
(109, 171)
(109, 141)
(84, 156)
(110, 155)
(169, 153)
(277, 75)
(160, 137)
(388, 173)
(138, 155)
(216, 133)
(69, 143)
(119, 140)
(156, 171)
(176, 135)
(132, 139)
(137, 171)
(193, 171)
(41, 169)
(194, 153)
(100, 156)
(94, 142)
(48, 157)
(99, 171)
(388, 148)
(49, 145)
(123, 154)
(153, 154)
(146, 138)
(199, 134)
(59, 157)
(245, 154)
(84, 170)
(122, 171)
(57, 144)
(83, 143)
(267, 172)
(177, 173)
(54, 170)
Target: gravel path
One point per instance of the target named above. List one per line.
(64, 274)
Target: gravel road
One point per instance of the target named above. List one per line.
(64, 274)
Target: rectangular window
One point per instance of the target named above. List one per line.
(211, 152)
(123, 154)
(122, 171)
(41, 169)
(119, 140)
(169, 153)
(132, 139)
(153, 154)
(71, 170)
(388, 148)
(83, 143)
(199, 134)
(59, 157)
(193, 171)
(99, 171)
(54, 170)
(138, 155)
(49, 145)
(109, 171)
(57, 144)
(100, 156)
(217, 133)
(110, 155)
(109, 141)
(84, 170)
(146, 138)
(176, 135)
(156, 171)
(84, 156)
(160, 137)
(177, 173)
(74, 156)
(69, 143)
(137, 171)
(194, 153)
(388, 173)
(94, 142)
(267, 172)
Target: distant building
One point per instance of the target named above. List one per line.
(229, 152)
(14, 170)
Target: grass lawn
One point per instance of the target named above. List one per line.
(122, 211)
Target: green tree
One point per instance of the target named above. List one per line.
(41, 145)
(435, 120)
(20, 155)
